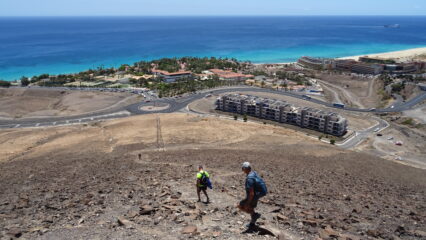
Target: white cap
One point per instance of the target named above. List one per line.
(246, 165)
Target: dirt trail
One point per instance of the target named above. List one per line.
(336, 97)
(350, 97)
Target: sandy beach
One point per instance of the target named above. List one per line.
(418, 54)
(404, 55)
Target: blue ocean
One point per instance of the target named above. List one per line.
(35, 45)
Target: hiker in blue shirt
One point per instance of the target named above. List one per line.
(255, 189)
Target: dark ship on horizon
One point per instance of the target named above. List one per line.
(392, 26)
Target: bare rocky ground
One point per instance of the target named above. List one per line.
(87, 182)
(419, 114)
(42, 102)
(351, 90)
(412, 137)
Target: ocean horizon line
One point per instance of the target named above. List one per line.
(206, 16)
(59, 44)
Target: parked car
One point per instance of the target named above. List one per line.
(379, 135)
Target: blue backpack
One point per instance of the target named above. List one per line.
(260, 189)
(205, 181)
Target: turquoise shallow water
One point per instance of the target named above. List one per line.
(32, 46)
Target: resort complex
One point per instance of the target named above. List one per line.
(283, 112)
(365, 65)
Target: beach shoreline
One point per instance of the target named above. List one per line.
(412, 54)
(401, 55)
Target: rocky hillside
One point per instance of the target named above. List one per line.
(99, 188)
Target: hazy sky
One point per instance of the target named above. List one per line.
(209, 7)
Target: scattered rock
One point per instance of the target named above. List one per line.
(123, 222)
(15, 233)
(419, 233)
(327, 233)
(80, 221)
(132, 214)
(310, 222)
(48, 219)
(348, 237)
(179, 220)
(270, 230)
(276, 210)
(146, 210)
(281, 217)
(400, 230)
(190, 229)
(373, 233)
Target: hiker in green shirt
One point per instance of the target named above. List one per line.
(202, 181)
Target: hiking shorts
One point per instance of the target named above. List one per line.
(253, 203)
(204, 188)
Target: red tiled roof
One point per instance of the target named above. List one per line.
(171, 74)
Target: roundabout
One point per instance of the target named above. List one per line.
(155, 107)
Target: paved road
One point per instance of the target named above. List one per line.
(179, 103)
(360, 136)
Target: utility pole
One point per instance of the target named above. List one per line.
(160, 142)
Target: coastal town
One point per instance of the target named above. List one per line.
(199, 73)
(154, 119)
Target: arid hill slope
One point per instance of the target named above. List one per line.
(88, 182)
(24, 102)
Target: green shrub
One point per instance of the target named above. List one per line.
(408, 121)
(5, 83)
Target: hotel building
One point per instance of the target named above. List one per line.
(171, 77)
(283, 112)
